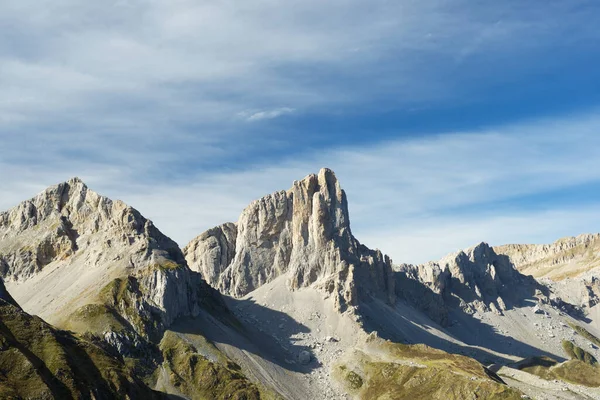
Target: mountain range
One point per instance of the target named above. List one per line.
(285, 303)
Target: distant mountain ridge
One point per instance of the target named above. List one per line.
(567, 257)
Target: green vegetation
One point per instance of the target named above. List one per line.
(121, 296)
(166, 265)
(539, 366)
(38, 361)
(578, 372)
(585, 333)
(95, 318)
(574, 371)
(196, 376)
(419, 372)
(116, 291)
(354, 380)
(577, 353)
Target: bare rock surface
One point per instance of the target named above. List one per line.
(211, 252)
(568, 257)
(303, 233)
(62, 247)
(474, 280)
(570, 266)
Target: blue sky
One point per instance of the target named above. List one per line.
(448, 123)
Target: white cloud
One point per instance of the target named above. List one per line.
(198, 61)
(416, 199)
(140, 98)
(265, 114)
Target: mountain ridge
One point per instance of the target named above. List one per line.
(304, 306)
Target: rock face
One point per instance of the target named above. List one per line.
(566, 258)
(475, 280)
(67, 247)
(211, 252)
(568, 266)
(303, 232)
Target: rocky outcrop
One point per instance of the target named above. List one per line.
(303, 233)
(566, 258)
(569, 266)
(59, 250)
(211, 252)
(474, 280)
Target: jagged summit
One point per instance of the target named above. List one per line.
(304, 233)
(567, 257)
(477, 279)
(69, 247)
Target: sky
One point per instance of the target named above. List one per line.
(447, 123)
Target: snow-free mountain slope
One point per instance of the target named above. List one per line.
(310, 306)
(97, 267)
(303, 233)
(91, 265)
(38, 361)
(568, 257)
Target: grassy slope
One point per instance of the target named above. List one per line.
(38, 361)
(397, 371)
(585, 333)
(582, 369)
(194, 375)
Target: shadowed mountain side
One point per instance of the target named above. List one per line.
(39, 361)
(476, 280)
(471, 337)
(4, 295)
(271, 360)
(244, 333)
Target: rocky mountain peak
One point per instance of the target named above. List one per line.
(475, 280)
(568, 257)
(69, 247)
(303, 233)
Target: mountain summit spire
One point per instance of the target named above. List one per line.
(303, 232)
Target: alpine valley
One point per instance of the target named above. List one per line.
(285, 303)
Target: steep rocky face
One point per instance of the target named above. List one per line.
(566, 258)
(303, 232)
(61, 250)
(211, 252)
(475, 280)
(568, 266)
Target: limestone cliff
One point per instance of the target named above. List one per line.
(211, 252)
(566, 258)
(303, 232)
(69, 248)
(474, 280)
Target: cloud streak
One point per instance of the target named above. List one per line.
(180, 105)
(416, 199)
(265, 114)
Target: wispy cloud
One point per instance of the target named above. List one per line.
(416, 199)
(265, 114)
(191, 62)
(151, 102)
